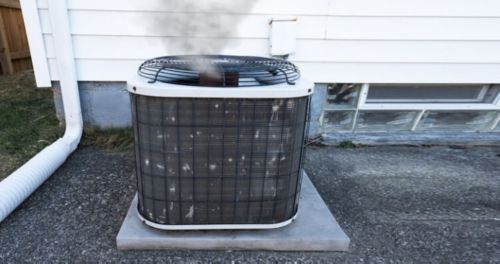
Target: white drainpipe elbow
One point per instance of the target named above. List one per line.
(72, 136)
(24, 181)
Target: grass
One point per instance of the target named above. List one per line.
(347, 145)
(114, 140)
(28, 123)
(27, 120)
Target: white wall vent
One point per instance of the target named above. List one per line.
(283, 36)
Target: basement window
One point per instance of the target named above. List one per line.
(342, 95)
(385, 121)
(338, 121)
(374, 108)
(464, 121)
(396, 93)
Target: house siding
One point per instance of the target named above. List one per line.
(375, 41)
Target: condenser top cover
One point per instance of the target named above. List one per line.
(215, 76)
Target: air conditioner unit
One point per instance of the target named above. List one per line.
(219, 141)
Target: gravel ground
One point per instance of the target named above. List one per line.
(397, 204)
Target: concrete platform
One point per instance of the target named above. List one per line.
(315, 229)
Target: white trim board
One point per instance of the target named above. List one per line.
(36, 43)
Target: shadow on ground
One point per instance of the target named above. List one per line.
(403, 204)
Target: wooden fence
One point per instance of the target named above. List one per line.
(14, 49)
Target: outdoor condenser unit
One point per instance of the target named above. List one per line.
(219, 141)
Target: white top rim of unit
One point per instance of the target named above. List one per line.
(141, 86)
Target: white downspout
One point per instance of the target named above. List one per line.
(24, 181)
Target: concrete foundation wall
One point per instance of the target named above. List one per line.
(106, 105)
(317, 102)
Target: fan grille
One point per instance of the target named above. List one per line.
(219, 71)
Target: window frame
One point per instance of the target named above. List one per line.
(363, 105)
(479, 98)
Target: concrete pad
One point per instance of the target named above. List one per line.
(315, 229)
